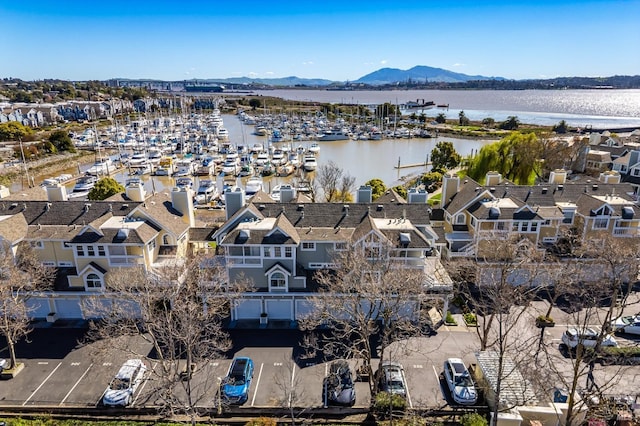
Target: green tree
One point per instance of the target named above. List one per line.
(444, 157)
(12, 130)
(255, 103)
(441, 118)
(377, 187)
(105, 188)
(561, 127)
(516, 157)
(488, 122)
(401, 190)
(511, 123)
(462, 119)
(431, 180)
(61, 140)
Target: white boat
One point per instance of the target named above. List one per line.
(309, 163)
(140, 169)
(184, 167)
(278, 158)
(166, 167)
(184, 182)
(275, 193)
(230, 167)
(223, 134)
(262, 159)
(207, 191)
(85, 184)
(314, 147)
(257, 148)
(333, 135)
(101, 167)
(294, 159)
(260, 130)
(254, 184)
(375, 135)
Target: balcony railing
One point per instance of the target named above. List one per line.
(626, 232)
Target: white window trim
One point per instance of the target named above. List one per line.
(311, 246)
(284, 289)
(601, 218)
(86, 283)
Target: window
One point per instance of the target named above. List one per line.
(568, 217)
(37, 244)
(117, 251)
(278, 281)
(288, 252)
(101, 251)
(534, 226)
(93, 282)
(79, 251)
(473, 221)
(308, 245)
(516, 226)
(277, 252)
(500, 226)
(341, 246)
(152, 244)
(460, 219)
(601, 223)
(166, 240)
(266, 251)
(91, 251)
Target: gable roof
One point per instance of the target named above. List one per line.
(65, 212)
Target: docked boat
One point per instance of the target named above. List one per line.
(206, 167)
(140, 169)
(278, 158)
(260, 130)
(85, 184)
(275, 193)
(254, 184)
(333, 135)
(309, 163)
(101, 167)
(285, 169)
(262, 159)
(230, 167)
(419, 104)
(257, 148)
(207, 191)
(223, 134)
(314, 147)
(184, 167)
(184, 182)
(165, 167)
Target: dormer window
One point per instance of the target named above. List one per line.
(601, 223)
(460, 219)
(93, 282)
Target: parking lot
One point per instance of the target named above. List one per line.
(60, 373)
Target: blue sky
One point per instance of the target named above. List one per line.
(336, 40)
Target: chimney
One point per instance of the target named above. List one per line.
(134, 190)
(287, 193)
(182, 201)
(610, 176)
(364, 194)
(558, 176)
(233, 201)
(56, 192)
(450, 186)
(493, 178)
(417, 196)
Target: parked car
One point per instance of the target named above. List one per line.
(391, 376)
(586, 337)
(123, 386)
(235, 386)
(459, 381)
(627, 324)
(338, 387)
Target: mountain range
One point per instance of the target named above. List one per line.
(383, 76)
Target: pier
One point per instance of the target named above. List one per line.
(425, 163)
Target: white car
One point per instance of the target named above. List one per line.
(459, 381)
(627, 324)
(586, 337)
(124, 384)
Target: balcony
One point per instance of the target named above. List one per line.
(626, 232)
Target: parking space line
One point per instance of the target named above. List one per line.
(404, 379)
(255, 390)
(436, 373)
(76, 384)
(146, 379)
(41, 384)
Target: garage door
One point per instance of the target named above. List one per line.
(248, 309)
(68, 308)
(279, 309)
(38, 307)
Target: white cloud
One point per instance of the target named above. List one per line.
(307, 63)
(269, 73)
(383, 62)
(458, 64)
(252, 74)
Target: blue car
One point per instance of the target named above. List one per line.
(235, 387)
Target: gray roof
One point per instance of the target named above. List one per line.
(65, 212)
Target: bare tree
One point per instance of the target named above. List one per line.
(605, 271)
(180, 312)
(368, 301)
(21, 274)
(335, 183)
(291, 387)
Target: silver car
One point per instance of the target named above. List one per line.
(459, 381)
(392, 378)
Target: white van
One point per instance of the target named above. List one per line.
(124, 384)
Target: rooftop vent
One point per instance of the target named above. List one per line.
(594, 186)
(544, 190)
(494, 212)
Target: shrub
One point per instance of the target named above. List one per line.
(386, 403)
(449, 318)
(262, 421)
(470, 318)
(473, 419)
(544, 318)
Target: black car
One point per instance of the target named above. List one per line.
(337, 387)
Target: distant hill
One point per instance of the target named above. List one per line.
(419, 74)
(283, 81)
